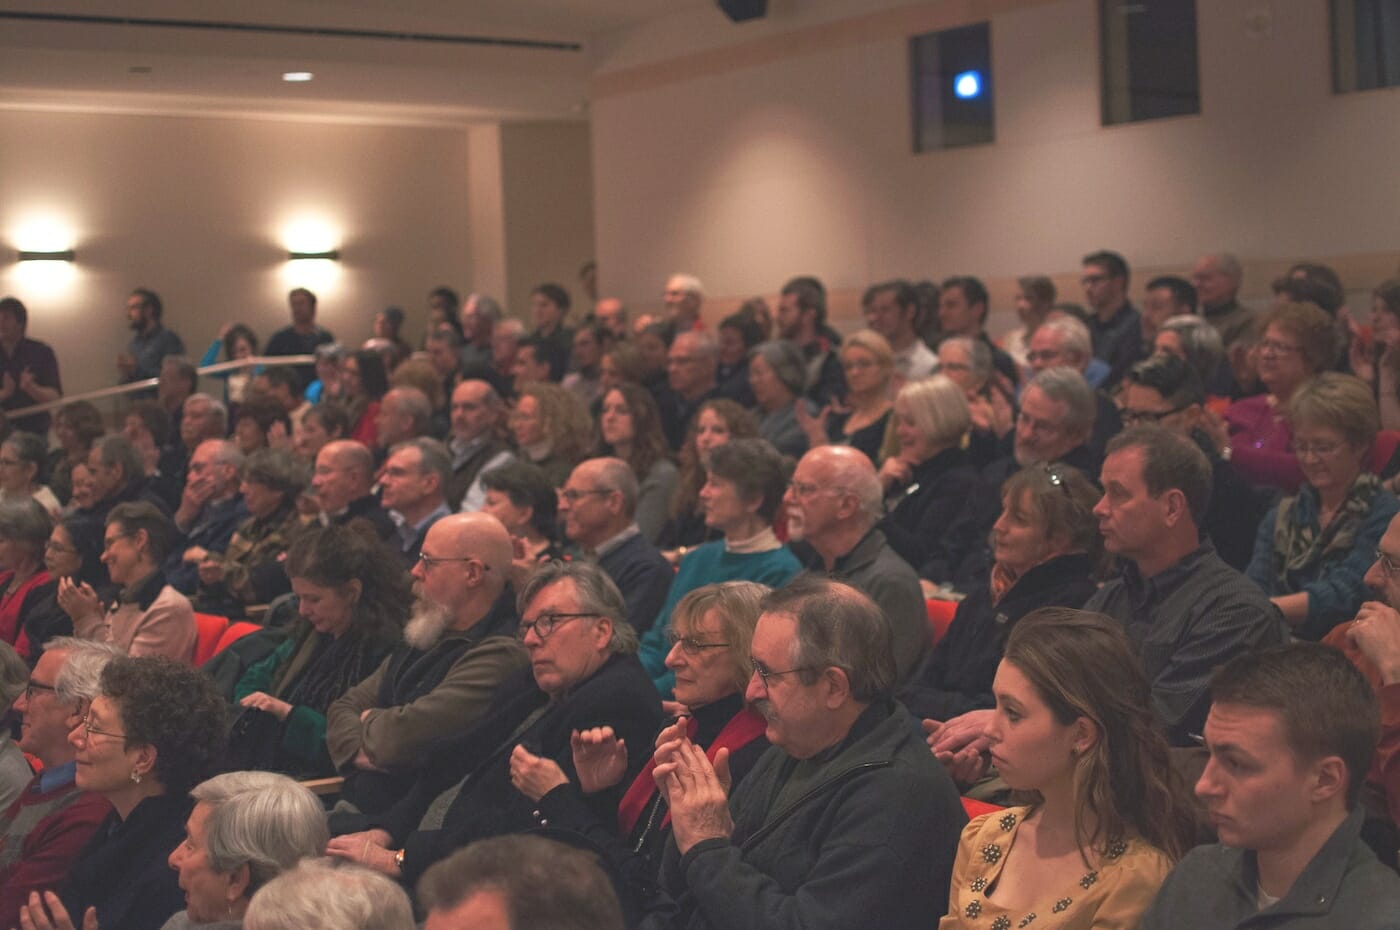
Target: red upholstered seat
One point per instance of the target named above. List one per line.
(978, 808)
(940, 614)
(1386, 441)
(235, 631)
(208, 630)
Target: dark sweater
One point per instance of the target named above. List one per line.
(123, 870)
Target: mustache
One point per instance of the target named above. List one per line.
(763, 708)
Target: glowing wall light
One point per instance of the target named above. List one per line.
(44, 249)
(313, 253)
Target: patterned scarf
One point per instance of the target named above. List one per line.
(1299, 546)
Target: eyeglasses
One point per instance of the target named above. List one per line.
(768, 675)
(805, 489)
(691, 646)
(1036, 425)
(429, 563)
(1042, 355)
(572, 495)
(89, 729)
(1387, 564)
(52, 546)
(112, 541)
(1131, 417)
(1319, 449)
(545, 624)
(1277, 348)
(33, 687)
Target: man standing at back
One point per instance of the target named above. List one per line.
(151, 341)
(302, 336)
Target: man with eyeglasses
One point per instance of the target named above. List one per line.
(411, 486)
(583, 673)
(598, 505)
(846, 820)
(343, 485)
(459, 645)
(43, 831)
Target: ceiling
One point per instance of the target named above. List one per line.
(434, 78)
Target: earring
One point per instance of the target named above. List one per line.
(135, 777)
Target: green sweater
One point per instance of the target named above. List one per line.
(709, 564)
(304, 730)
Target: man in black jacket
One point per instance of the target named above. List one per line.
(846, 821)
(343, 484)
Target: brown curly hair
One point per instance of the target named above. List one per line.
(566, 420)
(649, 444)
(175, 709)
(1310, 326)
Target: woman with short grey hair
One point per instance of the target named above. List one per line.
(22, 459)
(778, 376)
(319, 894)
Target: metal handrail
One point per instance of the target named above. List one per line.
(131, 387)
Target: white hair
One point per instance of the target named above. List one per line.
(264, 820)
(319, 895)
(688, 283)
(1074, 336)
(80, 677)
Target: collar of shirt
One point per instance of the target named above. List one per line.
(408, 532)
(765, 540)
(608, 545)
(58, 776)
(1150, 590)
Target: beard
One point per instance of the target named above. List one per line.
(426, 625)
(795, 529)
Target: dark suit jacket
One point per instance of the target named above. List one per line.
(643, 576)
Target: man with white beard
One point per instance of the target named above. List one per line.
(440, 680)
(833, 503)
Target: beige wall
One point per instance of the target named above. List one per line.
(198, 209)
(794, 157)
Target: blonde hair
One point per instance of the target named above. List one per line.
(1343, 402)
(565, 420)
(938, 407)
(875, 344)
(738, 604)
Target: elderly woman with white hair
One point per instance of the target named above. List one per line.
(323, 895)
(777, 375)
(1193, 340)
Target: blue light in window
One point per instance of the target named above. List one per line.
(968, 85)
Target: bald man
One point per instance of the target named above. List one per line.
(833, 503)
(343, 484)
(459, 645)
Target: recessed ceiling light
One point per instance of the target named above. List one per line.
(297, 76)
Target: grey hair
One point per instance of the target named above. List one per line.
(838, 626)
(702, 341)
(1074, 336)
(979, 357)
(1067, 386)
(854, 473)
(616, 475)
(511, 328)
(118, 450)
(415, 403)
(266, 820)
(277, 469)
(14, 675)
(786, 360)
(487, 307)
(1200, 343)
(1229, 266)
(689, 283)
(433, 457)
(216, 409)
(228, 453)
(25, 522)
(321, 894)
(80, 677)
(29, 448)
(597, 594)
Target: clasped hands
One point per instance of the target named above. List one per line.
(696, 791)
(959, 744)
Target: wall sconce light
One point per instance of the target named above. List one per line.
(66, 255)
(332, 255)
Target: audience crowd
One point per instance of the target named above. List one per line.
(610, 620)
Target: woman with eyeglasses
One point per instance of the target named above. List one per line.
(1313, 548)
(862, 423)
(73, 551)
(1102, 815)
(711, 629)
(1045, 553)
(353, 600)
(153, 733)
(746, 479)
(1299, 341)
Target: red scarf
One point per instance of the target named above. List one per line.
(743, 728)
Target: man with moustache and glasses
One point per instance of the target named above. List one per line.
(441, 679)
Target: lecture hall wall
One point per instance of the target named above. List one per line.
(785, 153)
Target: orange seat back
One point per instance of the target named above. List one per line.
(208, 630)
(978, 808)
(940, 615)
(235, 631)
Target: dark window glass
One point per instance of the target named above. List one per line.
(951, 76)
(1148, 51)
(1365, 44)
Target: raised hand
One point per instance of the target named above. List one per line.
(697, 794)
(36, 916)
(78, 600)
(534, 776)
(600, 758)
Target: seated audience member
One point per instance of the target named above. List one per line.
(518, 883)
(744, 489)
(411, 488)
(891, 310)
(84, 496)
(1313, 548)
(211, 508)
(1165, 390)
(249, 570)
(801, 319)
(681, 299)
(967, 362)
(76, 427)
(319, 893)
(24, 534)
(597, 505)
(552, 429)
(364, 380)
(549, 308)
(1035, 298)
(532, 362)
(439, 681)
(148, 616)
(303, 336)
(1194, 341)
(927, 477)
(962, 311)
(833, 503)
(320, 425)
(622, 364)
(709, 640)
(777, 376)
(477, 415)
(327, 386)
(388, 326)
(178, 380)
(653, 344)
(846, 821)
(864, 423)
(1299, 341)
(148, 428)
(201, 417)
(589, 344)
(15, 772)
(1045, 552)
(1377, 360)
(1073, 728)
(444, 349)
(73, 553)
(152, 733)
(521, 497)
(261, 423)
(738, 334)
(629, 428)
(1064, 341)
(1217, 278)
(118, 477)
(343, 485)
(610, 312)
(283, 385)
(584, 674)
(692, 365)
(1290, 733)
(506, 336)
(405, 413)
(1114, 323)
(23, 457)
(1167, 296)
(43, 830)
(717, 422)
(353, 600)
